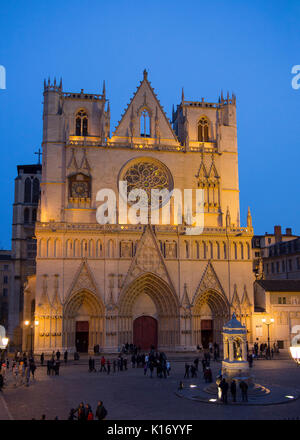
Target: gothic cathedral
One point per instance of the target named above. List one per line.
(108, 284)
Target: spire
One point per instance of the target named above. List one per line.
(60, 84)
(173, 113)
(249, 219)
(182, 96)
(44, 84)
(145, 73)
(103, 89)
(108, 108)
(54, 81)
(222, 97)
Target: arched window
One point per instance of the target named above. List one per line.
(225, 252)
(218, 251)
(35, 190)
(235, 250)
(26, 215)
(203, 129)
(27, 191)
(81, 123)
(145, 124)
(186, 249)
(242, 251)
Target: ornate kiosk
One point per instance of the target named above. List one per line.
(235, 364)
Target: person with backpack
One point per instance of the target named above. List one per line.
(101, 411)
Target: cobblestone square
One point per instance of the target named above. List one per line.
(129, 395)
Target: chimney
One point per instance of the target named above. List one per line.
(277, 233)
(288, 231)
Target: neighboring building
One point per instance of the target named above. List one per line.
(25, 207)
(280, 300)
(5, 285)
(283, 261)
(110, 284)
(261, 244)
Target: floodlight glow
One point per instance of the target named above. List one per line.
(212, 400)
(5, 341)
(193, 386)
(290, 397)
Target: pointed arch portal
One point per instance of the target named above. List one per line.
(165, 317)
(83, 321)
(210, 312)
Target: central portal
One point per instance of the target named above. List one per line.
(145, 332)
(82, 336)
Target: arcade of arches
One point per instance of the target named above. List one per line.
(147, 314)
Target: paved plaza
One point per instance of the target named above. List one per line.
(130, 395)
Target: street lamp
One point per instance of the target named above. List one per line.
(32, 324)
(268, 325)
(3, 346)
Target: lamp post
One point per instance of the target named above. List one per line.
(268, 325)
(31, 324)
(3, 346)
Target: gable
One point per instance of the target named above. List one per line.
(144, 99)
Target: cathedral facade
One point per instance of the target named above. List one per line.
(149, 284)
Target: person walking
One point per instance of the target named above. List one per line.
(244, 390)
(42, 358)
(187, 371)
(233, 390)
(168, 365)
(108, 366)
(102, 364)
(224, 388)
(58, 355)
(66, 356)
(114, 365)
(101, 411)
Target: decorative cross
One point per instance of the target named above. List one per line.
(39, 154)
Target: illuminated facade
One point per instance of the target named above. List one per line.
(149, 285)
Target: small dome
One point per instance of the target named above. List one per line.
(234, 323)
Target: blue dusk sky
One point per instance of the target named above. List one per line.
(248, 47)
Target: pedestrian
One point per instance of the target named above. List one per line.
(187, 371)
(244, 390)
(66, 356)
(224, 387)
(233, 390)
(27, 375)
(102, 364)
(81, 412)
(193, 371)
(42, 358)
(151, 368)
(32, 368)
(168, 365)
(48, 367)
(145, 368)
(133, 361)
(125, 363)
(58, 355)
(101, 411)
(250, 360)
(72, 415)
(108, 366)
(196, 362)
(114, 365)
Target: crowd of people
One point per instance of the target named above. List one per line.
(84, 412)
(22, 367)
